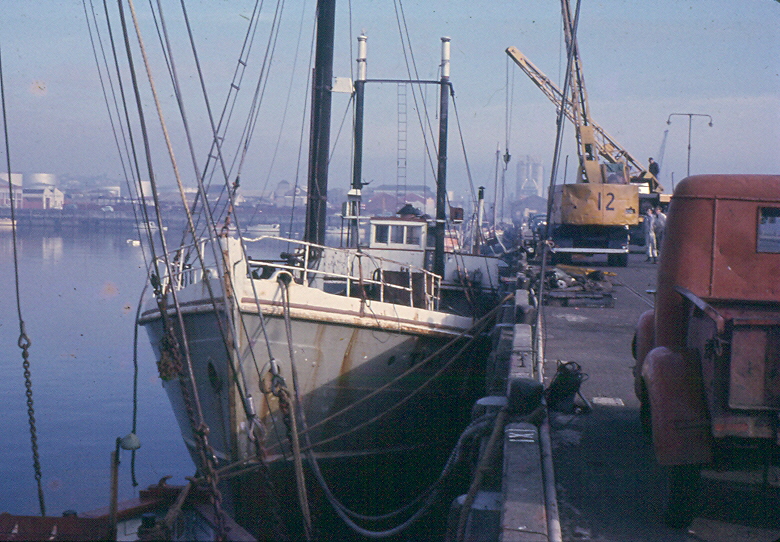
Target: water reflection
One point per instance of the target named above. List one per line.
(51, 248)
(79, 294)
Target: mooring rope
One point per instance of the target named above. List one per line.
(402, 401)
(482, 468)
(427, 496)
(473, 331)
(295, 407)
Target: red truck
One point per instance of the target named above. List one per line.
(708, 355)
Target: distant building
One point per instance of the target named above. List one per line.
(15, 195)
(109, 192)
(40, 180)
(384, 204)
(386, 199)
(530, 178)
(43, 198)
(286, 194)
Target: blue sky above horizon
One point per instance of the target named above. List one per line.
(642, 62)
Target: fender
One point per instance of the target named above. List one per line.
(680, 423)
(644, 340)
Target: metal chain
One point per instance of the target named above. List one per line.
(200, 432)
(24, 341)
(24, 344)
(170, 361)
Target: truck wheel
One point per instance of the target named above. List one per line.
(684, 484)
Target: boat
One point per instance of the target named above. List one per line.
(262, 229)
(320, 353)
(7, 223)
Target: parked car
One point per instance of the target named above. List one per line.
(708, 355)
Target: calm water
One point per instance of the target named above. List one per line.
(79, 297)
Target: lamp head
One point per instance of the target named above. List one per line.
(130, 442)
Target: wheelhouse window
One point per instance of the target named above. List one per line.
(397, 234)
(413, 234)
(768, 235)
(381, 233)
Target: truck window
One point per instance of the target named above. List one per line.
(769, 230)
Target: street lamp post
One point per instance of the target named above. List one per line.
(690, 119)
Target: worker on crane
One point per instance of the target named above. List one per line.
(653, 168)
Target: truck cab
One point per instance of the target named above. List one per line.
(708, 355)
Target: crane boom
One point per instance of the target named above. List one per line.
(606, 146)
(590, 169)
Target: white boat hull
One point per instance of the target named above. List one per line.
(343, 349)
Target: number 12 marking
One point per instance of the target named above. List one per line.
(611, 198)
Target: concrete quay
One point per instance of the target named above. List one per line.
(587, 474)
(512, 496)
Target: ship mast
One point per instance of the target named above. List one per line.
(441, 177)
(319, 142)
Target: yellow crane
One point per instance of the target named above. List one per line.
(606, 146)
(593, 215)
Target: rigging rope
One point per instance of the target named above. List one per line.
(286, 102)
(24, 341)
(411, 70)
(200, 430)
(130, 179)
(474, 331)
(219, 130)
(132, 151)
(302, 133)
(295, 409)
(542, 314)
(345, 513)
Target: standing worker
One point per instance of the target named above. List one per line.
(647, 226)
(659, 224)
(654, 168)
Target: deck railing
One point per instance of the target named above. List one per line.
(352, 273)
(348, 272)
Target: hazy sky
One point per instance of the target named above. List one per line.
(642, 61)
